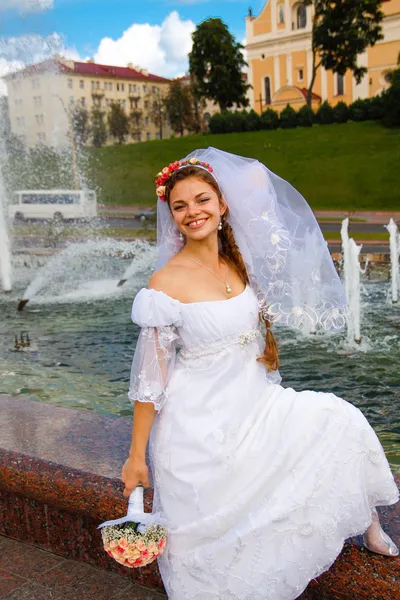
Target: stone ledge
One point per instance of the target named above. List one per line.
(60, 477)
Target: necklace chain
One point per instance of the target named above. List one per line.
(228, 287)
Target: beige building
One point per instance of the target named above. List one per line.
(278, 43)
(40, 97)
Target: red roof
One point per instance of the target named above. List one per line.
(50, 64)
(304, 91)
(88, 68)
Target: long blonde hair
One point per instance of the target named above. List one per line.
(231, 252)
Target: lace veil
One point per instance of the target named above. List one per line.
(286, 256)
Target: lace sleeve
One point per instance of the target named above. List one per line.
(152, 365)
(154, 358)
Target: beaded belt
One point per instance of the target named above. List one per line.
(243, 339)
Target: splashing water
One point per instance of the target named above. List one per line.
(352, 270)
(394, 259)
(89, 270)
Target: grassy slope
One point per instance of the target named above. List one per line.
(353, 166)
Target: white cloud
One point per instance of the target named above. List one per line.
(162, 49)
(26, 6)
(18, 52)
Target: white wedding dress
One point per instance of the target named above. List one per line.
(260, 484)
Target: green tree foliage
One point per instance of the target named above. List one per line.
(391, 102)
(136, 122)
(325, 114)
(341, 30)
(118, 122)
(305, 116)
(341, 112)
(98, 131)
(216, 64)
(13, 144)
(79, 120)
(179, 105)
(217, 123)
(157, 110)
(269, 119)
(288, 118)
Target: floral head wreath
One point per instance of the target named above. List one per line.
(165, 174)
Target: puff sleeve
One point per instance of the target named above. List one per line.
(153, 362)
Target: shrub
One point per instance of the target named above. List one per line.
(375, 108)
(325, 114)
(235, 122)
(269, 119)
(359, 110)
(288, 118)
(341, 112)
(391, 102)
(252, 121)
(217, 123)
(305, 116)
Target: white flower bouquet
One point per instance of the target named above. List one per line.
(136, 539)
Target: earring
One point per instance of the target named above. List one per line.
(181, 236)
(220, 225)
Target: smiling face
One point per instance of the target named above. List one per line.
(196, 207)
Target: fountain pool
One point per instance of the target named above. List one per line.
(82, 343)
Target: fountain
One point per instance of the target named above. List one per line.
(5, 253)
(352, 270)
(394, 260)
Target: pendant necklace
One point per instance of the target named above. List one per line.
(228, 287)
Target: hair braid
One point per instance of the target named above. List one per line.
(230, 250)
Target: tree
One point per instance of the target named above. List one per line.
(391, 102)
(98, 131)
(79, 118)
(341, 30)
(13, 144)
(157, 110)
(136, 122)
(179, 107)
(118, 122)
(216, 63)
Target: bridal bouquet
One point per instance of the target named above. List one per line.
(137, 539)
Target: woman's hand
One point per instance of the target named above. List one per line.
(134, 472)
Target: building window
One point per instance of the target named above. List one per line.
(97, 85)
(37, 101)
(145, 89)
(154, 90)
(134, 88)
(81, 84)
(300, 74)
(69, 83)
(281, 13)
(124, 104)
(301, 17)
(39, 119)
(388, 76)
(130, 88)
(146, 104)
(267, 90)
(340, 84)
(122, 87)
(93, 85)
(105, 86)
(35, 84)
(147, 121)
(110, 86)
(41, 137)
(117, 87)
(83, 101)
(148, 136)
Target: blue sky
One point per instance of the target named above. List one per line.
(95, 28)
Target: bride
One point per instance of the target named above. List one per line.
(260, 485)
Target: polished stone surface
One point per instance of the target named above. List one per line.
(29, 573)
(60, 477)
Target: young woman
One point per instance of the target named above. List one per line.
(260, 484)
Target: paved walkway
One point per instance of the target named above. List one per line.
(28, 573)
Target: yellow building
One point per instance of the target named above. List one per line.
(278, 43)
(40, 97)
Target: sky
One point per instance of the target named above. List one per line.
(154, 34)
